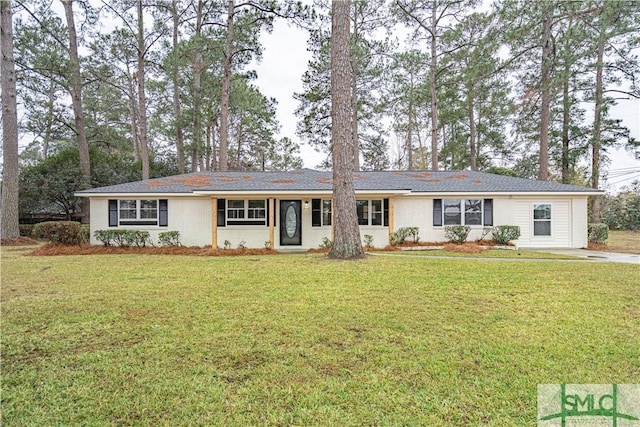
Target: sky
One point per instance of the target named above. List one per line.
(285, 59)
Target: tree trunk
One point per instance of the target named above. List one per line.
(410, 136)
(226, 85)
(10, 204)
(197, 86)
(545, 87)
(50, 120)
(354, 98)
(76, 100)
(566, 122)
(434, 89)
(177, 110)
(142, 101)
(597, 126)
(473, 148)
(346, 242)
(133, 113)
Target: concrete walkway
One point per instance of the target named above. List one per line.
(591, 255)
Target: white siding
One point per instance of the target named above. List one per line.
(560, 220)
(191, 216)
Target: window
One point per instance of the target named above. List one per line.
(462, 212)
(326, 212)
(138, 212)
(320, 212)
(362, 209)
(473, 212)
(246, 212)
(370, 212)
(452, 212)
(257, 209)
(235, 209)
(542, 219)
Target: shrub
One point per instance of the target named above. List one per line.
(398, 237)
(123, 237)
(169, 238)
(227, 244)
(26, 230)
(104, 236)
(62, 232)
(326, 243)
(503, 234)
(598, 233)
(457, 233)
(368, 240)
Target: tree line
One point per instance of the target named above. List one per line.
(115, 91)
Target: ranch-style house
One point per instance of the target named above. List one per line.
(292, 210)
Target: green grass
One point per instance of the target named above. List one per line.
(301, 340)
(624, 241)
(487, 253)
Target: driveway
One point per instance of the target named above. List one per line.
(592, 255)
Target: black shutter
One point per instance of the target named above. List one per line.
(385, 212)
(113, 213)
(488, 211)
(266, 213)
(221, 212)
(163, 213)
(316, 212)
(437, 212)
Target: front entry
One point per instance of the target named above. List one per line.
(290, 222)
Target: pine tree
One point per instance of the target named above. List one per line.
(10, 202)
(346, 242)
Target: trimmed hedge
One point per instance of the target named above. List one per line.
(123, 237)
(503, 234)
(169, 238)
(61, 232)
(598, 233)
(403, 234)
(457, 233)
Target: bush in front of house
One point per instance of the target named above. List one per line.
(61, 232)
(503, 234)
(598, 233)
(26, 230)
(457, 233)
(123, 237)
(169, 238)
(404, 233)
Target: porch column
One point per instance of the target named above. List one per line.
(272, 217)
(214, 223)
(391, 218)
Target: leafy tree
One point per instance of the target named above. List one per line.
(432, 18)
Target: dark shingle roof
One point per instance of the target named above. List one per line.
(311, 180)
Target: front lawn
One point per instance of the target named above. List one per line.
(300, 340)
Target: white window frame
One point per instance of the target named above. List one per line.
(535, 220)
(326, 208)
(369, 209)
(462, 203)
(138, 211)
(246, 213)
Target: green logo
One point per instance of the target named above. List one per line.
(566, 405)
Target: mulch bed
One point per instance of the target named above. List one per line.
(52, 250)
